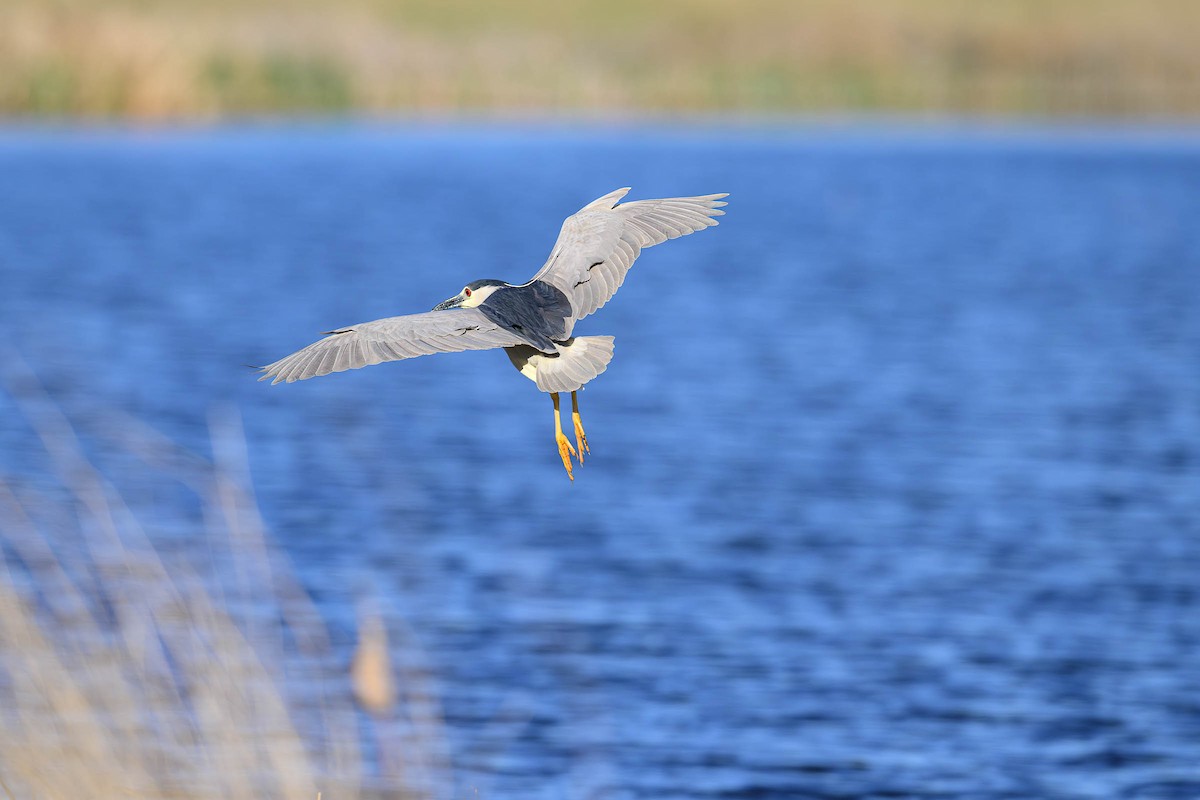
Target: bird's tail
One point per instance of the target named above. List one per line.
(579, 360)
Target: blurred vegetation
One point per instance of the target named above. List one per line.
(133, 666)
(162, 59)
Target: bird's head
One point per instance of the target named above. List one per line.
(471, 295)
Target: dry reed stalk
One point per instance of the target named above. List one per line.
(126, 674)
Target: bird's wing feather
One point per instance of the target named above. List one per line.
(392, 339)
(599, 243)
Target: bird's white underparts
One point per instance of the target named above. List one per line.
(534, 321)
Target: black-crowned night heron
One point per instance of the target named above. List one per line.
(534, 322)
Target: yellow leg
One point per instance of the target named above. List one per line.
(564, 447)
(580, 436)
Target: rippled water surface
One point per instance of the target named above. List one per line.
(895, 484)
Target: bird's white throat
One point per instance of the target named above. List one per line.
(479, 295)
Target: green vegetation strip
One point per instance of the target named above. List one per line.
(171, 59)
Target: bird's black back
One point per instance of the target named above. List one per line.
(537, 312)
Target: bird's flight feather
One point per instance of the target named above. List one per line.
(598, 244)
(392, 339)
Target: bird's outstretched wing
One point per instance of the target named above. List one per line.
(598, 244)
(392, 339)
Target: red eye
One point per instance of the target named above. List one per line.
(468, 292)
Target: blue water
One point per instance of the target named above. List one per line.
(895, 476)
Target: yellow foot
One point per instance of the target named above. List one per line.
(580, 438)
(565, 451)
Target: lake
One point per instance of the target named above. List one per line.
(895, 476)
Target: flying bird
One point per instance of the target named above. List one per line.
(534, 321)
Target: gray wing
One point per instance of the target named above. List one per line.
(598, 244)
(392, 339)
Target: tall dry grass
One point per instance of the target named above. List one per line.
(176, 59)
(127, 670)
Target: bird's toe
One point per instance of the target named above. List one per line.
(581, 441)
(565, 451)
